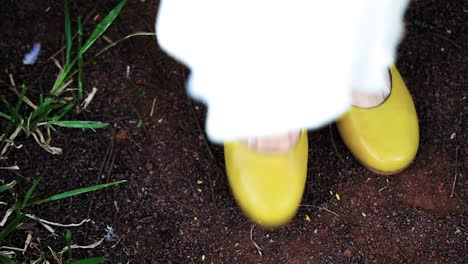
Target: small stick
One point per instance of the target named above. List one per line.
(446, 39)
(322, 208)
(95, 244)
(152, 107)
(383, 188)
(334, 145)
(259, 249)
(26, 244)
(57, 224)
(13, 88)
(455, 177)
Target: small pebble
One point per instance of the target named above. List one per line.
(348, 253)
(121, 135)
(149, 166)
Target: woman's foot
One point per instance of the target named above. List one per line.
(268, 178)
(382, 132)
(284, 142)
(273, 144)
(367, 100)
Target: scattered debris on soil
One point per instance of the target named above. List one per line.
(176, 206)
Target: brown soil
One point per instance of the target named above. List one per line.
(176, 206)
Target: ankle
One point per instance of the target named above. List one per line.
(367, 100)
(273, 144)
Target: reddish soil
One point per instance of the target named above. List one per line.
(176, 206)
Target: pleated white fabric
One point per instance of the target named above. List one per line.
(268, 67)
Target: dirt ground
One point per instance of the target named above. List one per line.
(176, 206)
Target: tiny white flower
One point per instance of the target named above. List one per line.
(31, 56)
(110, 234)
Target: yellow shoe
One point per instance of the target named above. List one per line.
(385, 138)
(268, 187)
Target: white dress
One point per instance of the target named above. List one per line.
(268, 67)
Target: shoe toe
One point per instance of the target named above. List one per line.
(389, 151)
(267, 187)
(385, 138)
(274, 203)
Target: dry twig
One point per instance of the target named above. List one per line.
(455, 172)
(321, 208)
(259, 249)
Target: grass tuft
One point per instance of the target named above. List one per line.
(100, 29)
(51, 110)
(68, 33)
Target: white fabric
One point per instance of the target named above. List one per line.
(268, 67)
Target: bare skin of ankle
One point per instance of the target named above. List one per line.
(367, 100)
(284, 142)
(273, 144)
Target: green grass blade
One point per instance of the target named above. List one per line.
(80, 60)
(124, 38)
(20, 99)
(41, 114)
(15, 110)
(96, 260)
(76, 192)
(10, 108)
(80, 124)
(7, 260)
(30, 191)
(15, 116)
(105, 23)
(68, 237)
(7, 186)
(11, 226)
(68, 33)
(62, 77)
(5, 135)
(64, 111)
(42, 108)
(14, 119)
(7, 117)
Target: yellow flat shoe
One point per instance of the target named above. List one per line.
(268, 187)
(384, 138)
